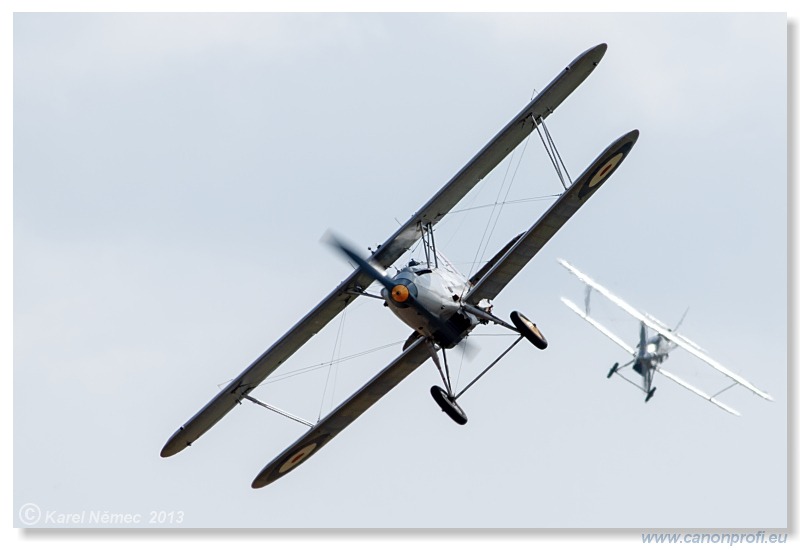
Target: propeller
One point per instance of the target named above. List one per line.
(586, 298)
(642, 338)
(398, 292)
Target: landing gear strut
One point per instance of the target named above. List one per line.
(445, 397)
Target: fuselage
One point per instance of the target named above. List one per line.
(440, 290)
(649, 356)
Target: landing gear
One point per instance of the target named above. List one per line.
(613, 370)
(649, 395)
(448, 405)
(528, 329)
(446, 398)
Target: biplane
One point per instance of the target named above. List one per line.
(432, 297)
(651, 351)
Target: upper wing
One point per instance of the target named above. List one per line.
(556, 216)
(664, 331)
(330, 426)
(613, 337)
(390, 251)
(491, 155)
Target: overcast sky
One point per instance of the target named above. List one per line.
(173, 175)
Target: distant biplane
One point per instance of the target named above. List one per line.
(651, 351)
(440, 304)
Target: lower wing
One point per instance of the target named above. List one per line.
(330, 426)
(694, 390)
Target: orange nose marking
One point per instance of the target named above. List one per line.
(400, 293)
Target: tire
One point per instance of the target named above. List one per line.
(528, 329)
(449, 406)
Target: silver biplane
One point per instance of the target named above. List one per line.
(651, 351)
(441, 305)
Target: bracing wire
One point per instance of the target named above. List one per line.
(317, 366)
(337, 348)
(505, 199)
(484, 243)
(515, 201)
(491, 214)
(460, 364)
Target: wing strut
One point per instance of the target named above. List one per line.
(552, 152)
(279, 411)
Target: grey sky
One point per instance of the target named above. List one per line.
(174, 174)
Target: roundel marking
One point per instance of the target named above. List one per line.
(610, 164)
(297, 458)
(606, 169)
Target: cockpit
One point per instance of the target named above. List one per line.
(416, 268)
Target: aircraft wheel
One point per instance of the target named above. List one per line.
(448, 405)
(649, 395)
(613, 370)
(528, 329)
